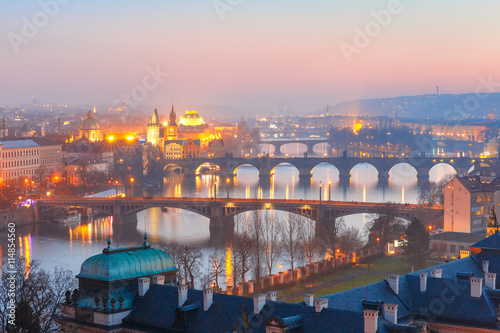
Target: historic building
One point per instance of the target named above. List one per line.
(191, 118)
(90, 129)
(131, 290)
(25, 131)
(4, 131)
(190, 148)
(467, 203)
(173, 149)
(153, 133)
(171, 132)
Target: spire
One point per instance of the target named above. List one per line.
(89, 114)
(146, 243)
(155, 120)
(171, 121)
(108, 249)
(94, 110)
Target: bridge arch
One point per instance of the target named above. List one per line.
(333, 170)
(436, 176)
(273, 169)
(209, 165)
(368, 170)
(397, 174)
(299, 148)
(172, 166)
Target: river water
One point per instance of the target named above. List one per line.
(69, 245)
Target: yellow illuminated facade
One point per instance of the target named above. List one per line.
(191, 118)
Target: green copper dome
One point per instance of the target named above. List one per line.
(89, 123)
(126, 263)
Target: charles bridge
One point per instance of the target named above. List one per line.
(221, 211)
(309, 143)
(305, 165)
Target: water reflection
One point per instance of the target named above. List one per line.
(68, 246)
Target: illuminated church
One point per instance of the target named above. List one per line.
(154, 131)
(90, 129)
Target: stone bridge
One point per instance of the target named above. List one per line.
(221, 211)
(309, 143)
(305, 166)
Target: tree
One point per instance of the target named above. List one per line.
(311, 248)
(188, 259)
(256, 233)
(38, 296)
(216, 269)
(153, 162)
(241, 249)
(385, 226)
(329, 235)
(8, 195)
(350, 239)
(291, 232)
(432, 193)
(417, 245)
(272, 225)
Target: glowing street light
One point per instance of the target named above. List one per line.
(111, 138)
(227, 187)
(130, 138)
(329, 191)
(320, 193)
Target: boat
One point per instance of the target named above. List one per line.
(71, 217)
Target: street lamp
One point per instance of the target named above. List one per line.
(280, 268)
(329, 191)
(116, 189)
(320, 193)
(26, 186)
(132, 186)
(215, 191)
(227, 187)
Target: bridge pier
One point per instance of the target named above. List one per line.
(221, 222)
(422, 178)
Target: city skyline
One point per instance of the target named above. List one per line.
(250, 55)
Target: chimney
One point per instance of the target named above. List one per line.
(309, 299)
(271, 296)
(486, 265)
(208, 295)
(258, 302)
(394, 282)
(371, 321)
(183, 292)
(437, 273)
(423, 282)
(320, 304)
(143, 284)
(159, 279)
(391, 313)
(250, 287)
(490, 280)
(476, 287)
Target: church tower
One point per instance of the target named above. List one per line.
(3, 129)
(153, 130)
(171, 132)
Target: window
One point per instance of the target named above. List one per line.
(453, 249)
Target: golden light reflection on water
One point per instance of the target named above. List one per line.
(229, 268)
(364, 193)
(247, 192)
(96, 231)
(402, 194)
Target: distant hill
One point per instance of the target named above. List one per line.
(452, 107)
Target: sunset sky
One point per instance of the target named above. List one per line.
(261, 55)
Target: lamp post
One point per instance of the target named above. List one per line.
(132, 186)
(329, 191)
(227, 187)
(116, 189)
(215, 191)
(320, 193)
(26, 187)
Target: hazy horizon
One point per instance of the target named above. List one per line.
(248, 55)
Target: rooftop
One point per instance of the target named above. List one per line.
(126, 263)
